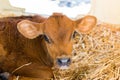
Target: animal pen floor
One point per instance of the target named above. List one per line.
(96, 56)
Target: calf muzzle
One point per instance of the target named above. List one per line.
(63, 62)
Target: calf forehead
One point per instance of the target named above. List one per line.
(59, 27)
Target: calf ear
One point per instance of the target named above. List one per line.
(85, 24)
(30, 29)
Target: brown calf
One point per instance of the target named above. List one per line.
(34, 45)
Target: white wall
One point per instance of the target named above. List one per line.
(48, 7)
(106, 10)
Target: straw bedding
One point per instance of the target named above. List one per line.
(96, 55)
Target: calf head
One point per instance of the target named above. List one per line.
(58, 31)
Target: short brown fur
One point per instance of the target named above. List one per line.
(21, 50)
(42, 55)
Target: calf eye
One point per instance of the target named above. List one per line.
(47, 39)
(74, 34)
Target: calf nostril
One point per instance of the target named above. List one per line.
(69, 60)
(63, 61)
(59, 61)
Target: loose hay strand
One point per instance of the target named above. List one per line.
(21, 67)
